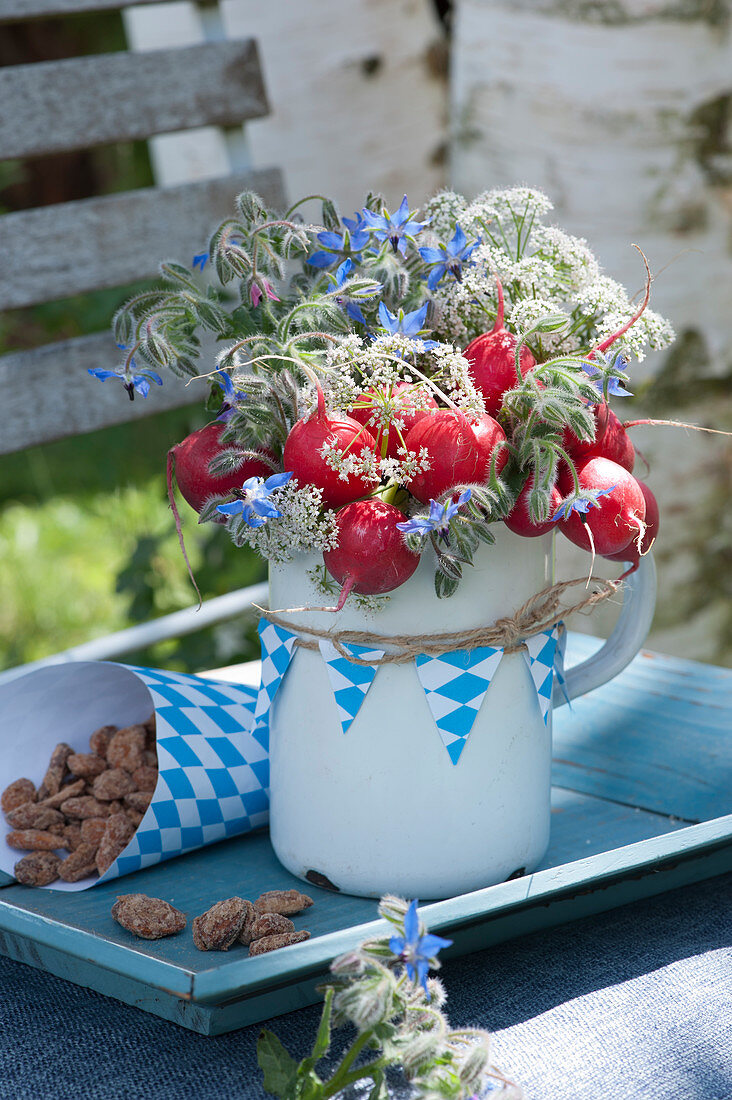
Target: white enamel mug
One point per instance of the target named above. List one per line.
(382, 808)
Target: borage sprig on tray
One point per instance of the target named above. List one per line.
(389, 362)
(382, 991)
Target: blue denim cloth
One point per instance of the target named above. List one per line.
(634, 1004)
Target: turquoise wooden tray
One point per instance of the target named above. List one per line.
(641, 789)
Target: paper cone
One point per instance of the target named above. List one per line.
(213, 780)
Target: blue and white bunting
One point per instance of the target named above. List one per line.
(350, 682)
(455, 685)
(277, 646)
(559, 656)
(539, 654)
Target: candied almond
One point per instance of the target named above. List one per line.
(138, 800)
(219, 926)
(150, 759)
(286, 902)
(148, 918)
(37, 869)
(245, 936)
(73, 790)
(73, 835)
(146, 778)
(134, 815)
(56, 771)
(86, 765)
(86, 806)
(271, 924)
(112, 785)
(273, 943)
(99, 740)
(17, 794)
(35, 840)
(92, 830)
(127, 747)
(117, 835)
(80, 864)
(31, 815)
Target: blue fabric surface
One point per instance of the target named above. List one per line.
(634, 1004)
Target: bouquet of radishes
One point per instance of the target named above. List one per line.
(391, 384)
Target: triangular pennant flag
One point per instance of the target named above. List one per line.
(277, 644)
(455, 685)
(539, 654)
(349, 681)
(559, 655)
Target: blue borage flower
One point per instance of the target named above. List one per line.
(337, 246)
(338, 281)
(253, 501)
(406, 324)
(438, 520)
(395, 228)
(581, 504)
(201, 259)
(615, 387)
(417, 952)
(448, 257)
(134, 381)
(231, 395)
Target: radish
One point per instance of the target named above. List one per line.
(371, 556)
(611, 440)
(302, 454)
(619, 516)
(492, 358)
(190, 460)
(518, 519)
(459, 451)
(632, 553)
(400, 405)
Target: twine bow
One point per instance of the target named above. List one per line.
(541, 611)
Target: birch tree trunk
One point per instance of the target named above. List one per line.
(621, 111)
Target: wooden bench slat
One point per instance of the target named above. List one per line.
(55, 106)
(56, 251)
(14, 10)
(46, 394)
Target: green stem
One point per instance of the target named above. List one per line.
(339, 1080)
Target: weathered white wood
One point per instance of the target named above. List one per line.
(72, 104)
(56, 251)
(357, 95)
(620, 112)
(47, 394)
(14, 10)
(613, 114)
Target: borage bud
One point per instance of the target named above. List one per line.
(420, 1049)
(349, 964)
(473, 1067)
(393, 909)
(367, 1002)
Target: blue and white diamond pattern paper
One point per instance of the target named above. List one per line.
(539, 654)
(350, 682)
(213, 774)
(277, 646)
(455, 685)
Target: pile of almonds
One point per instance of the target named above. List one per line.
(89, 804)
(263, 925)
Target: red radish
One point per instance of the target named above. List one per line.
(401, 405)
(190, 460)
(518, 519)
(611, 440)
(620, 514)
(371, 556)
(631, 553)
(459, 451)
(302, 454)
(492, 358)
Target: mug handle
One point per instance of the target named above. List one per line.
(639, 601)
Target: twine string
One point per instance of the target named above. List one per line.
(541, 611)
